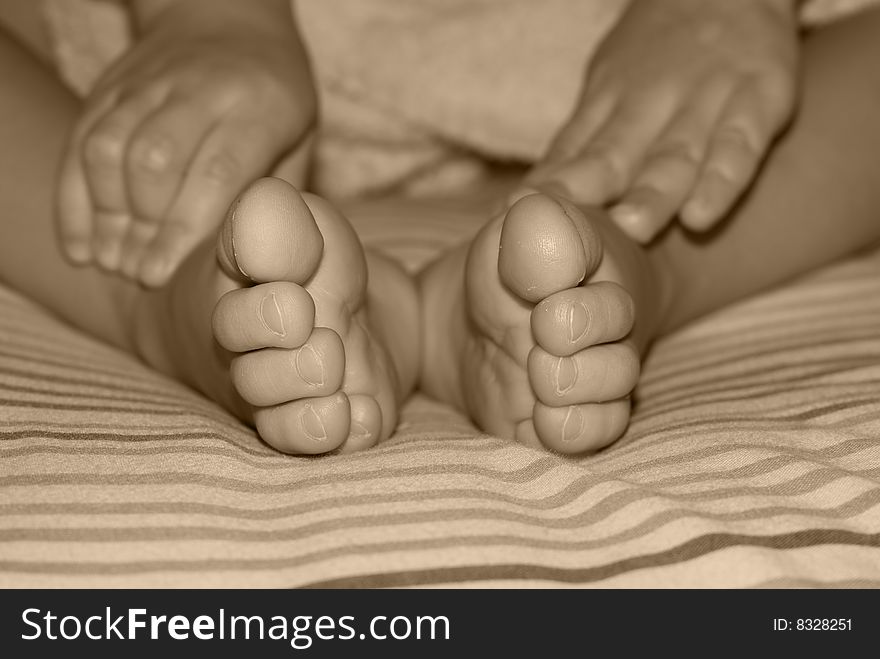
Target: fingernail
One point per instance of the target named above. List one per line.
(309, 365)
(565, 374)
(270, 314)
(228, 234)
(694, 209)
(154, 271)
(312, 424)
(108, 256)
(79, 252)
(579, 321)
(573, 425)
(626, 214)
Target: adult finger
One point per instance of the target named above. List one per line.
(605, 167)
(670, 168)
(104, 153)
(738, 144)
(74, 209)
(233, 154)
(159, 153)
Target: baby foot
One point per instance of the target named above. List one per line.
(546, 346)
(301, 358)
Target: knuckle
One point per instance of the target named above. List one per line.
(233, 94)
(722, 172)
(221, 167)
(733, 157)
(249, 89)
(735, 137)
(680, 150)
(104, 148)
(608, 158)
(151, 153)
(733, 166)
(143, 227)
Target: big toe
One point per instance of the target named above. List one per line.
(547, 245)
(270, 234)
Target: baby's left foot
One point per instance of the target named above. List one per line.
(532, 330)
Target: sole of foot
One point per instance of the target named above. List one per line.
(546, 332)
(289, 277)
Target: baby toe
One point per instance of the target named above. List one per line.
(366, 423)
(273, 376)
(275, 315)
(270, 234)
(306, 426)
(596, 374)
(546, 246)
(576, 318)
(581, 428)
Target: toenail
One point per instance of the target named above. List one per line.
(270, 314)
(565, 374)
(573, 425)
(309, 365)
(312, 425)
(579, 321)
(229, 230)
(359, 430)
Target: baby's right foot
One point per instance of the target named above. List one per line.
(550, 312)
(303, 344)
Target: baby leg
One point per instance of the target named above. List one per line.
(535, 328)
(307, 336)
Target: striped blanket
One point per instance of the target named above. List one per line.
(753, 460)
